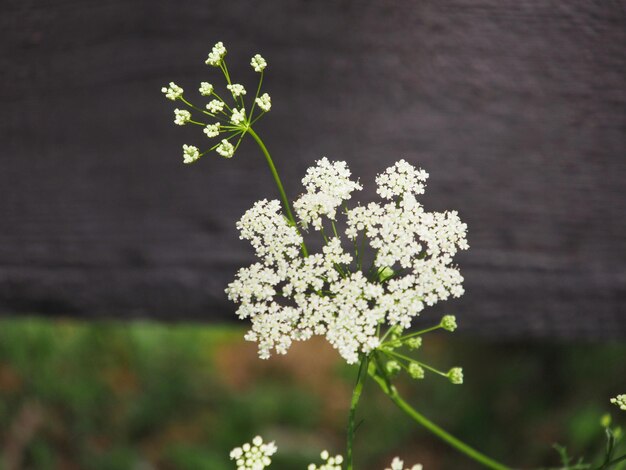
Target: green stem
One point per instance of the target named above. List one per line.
(392, 393)
(279, 184)
(356, 395)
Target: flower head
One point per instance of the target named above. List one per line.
(448, 322)
(330, 462)
(173, 92)
(238, 116)
(290, 297)
(328, 185)
(215, 106)
(620, 401)
(398, 464)
(236, 90)
(253, 456)
(216, 55)
(190, 153)
(181, 116)
(225, 149)
(264, 102)
(212, 130)
(258, 63)
(401, 179)
(206, 89)
(456, 375)
(416, 371)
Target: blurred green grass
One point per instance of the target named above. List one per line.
(143, 395)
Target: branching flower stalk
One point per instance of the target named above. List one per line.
(364, 301)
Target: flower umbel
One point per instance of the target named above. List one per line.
(181, 117)
(620, 401)
(230, 114)
(289, 297)
(264, 102)
(225, 149)
(173, 92)
(258, 63)
(253, 456)
(398, 464)
(216, 55)
(190, 153)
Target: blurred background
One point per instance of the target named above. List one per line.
(117, 344)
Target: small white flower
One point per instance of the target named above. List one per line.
(181, 116)
(225, 149)
(212, 130)
(264, 102)
(236, 89)
(620, 401)
(205, 89)
(239, 116)
(190, 153)
(253, 456)
(173, 92)
(215, 106)
(258, 63)
(216, 55)
(398, 464)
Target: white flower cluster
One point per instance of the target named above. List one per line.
(181, 117)
(232, 119)
(238, 116)
(400, 179)
(190, 153)
(264, 102)
(258, 63)
(206, 89)
(253, 456)
(236, 89)
(620, 400)
(257, 456)
(212, 130)
(398, 464)
(173, 92)
(290, 297)
(328, 186)
(215, 106)
(330, 462)
(225, 149)
(216, 55)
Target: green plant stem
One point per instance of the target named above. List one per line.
(279, 184)
(356, 395)
(393, 394)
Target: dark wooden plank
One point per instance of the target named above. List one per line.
(516, 108)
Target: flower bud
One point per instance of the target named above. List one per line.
(448, 322)
(456, 375)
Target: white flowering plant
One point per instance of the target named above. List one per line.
(379, 266)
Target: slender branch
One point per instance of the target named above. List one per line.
(279, 184)
(395, 397)
(356, 395)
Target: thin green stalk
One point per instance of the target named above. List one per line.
(279, 184)
(356, 395)
(472, 453)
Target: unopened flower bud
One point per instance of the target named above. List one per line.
(456, 375)
(416, 371)
(448, 322)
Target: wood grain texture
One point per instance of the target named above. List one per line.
(515, 107)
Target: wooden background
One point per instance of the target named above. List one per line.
(515, 107)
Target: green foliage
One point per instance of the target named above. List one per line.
(119, 396)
